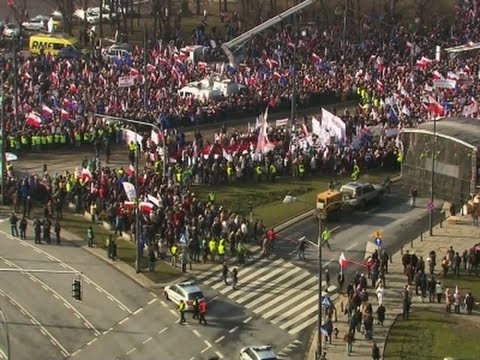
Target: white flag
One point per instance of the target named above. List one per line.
(130, 190)
(129, 136)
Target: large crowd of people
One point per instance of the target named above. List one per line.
(390, 70)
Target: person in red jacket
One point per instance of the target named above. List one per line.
(203, 312)
(271, 236)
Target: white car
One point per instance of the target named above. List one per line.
(359, 194)
(10, 30)
(263, 352)
(93, 15)
(35, 24)
(186, 291)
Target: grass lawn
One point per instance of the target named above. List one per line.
(465, 283)
(430, 335)
(267, 197)
(126, 250)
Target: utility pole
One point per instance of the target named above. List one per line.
(432, 178)
(15, 78)
(138, 266)
(294, 68)
(2, 141)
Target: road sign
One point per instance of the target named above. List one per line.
(378, 242)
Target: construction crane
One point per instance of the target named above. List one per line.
(237, 42)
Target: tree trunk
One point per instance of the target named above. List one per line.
(198, 7)
(225, 7)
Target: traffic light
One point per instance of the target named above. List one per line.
(250, 206)
(77, 289)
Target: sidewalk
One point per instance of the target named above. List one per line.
(461, 235)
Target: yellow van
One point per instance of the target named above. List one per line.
(329, 203)
(50, 43)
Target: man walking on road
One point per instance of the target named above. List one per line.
(203, 312)
(225, 273)
(326, 235)
(37, 228)
(181, 309)
(23, 228)
(13, 224)
(90, 236)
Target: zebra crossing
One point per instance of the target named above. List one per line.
(277, 290)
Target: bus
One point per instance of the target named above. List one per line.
(50, 43)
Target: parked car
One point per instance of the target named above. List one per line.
(186, 291)
(10, 30)
(117, 51)
(37, 24)
(358, 194)
(263, 352)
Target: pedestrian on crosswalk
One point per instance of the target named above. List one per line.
(340, 281)
(349, 338)
(23, 228)
(181, 309)
(327, 278)
(225, 272)
(302, 245)
(203, 312)
(375, 351)
(234, 278)
(13, 224)
(196, 309)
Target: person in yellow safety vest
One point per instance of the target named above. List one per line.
(178, 177)
(132, 149)
(355, 171)
(212, 246)
(230, 172)
(400, 158)
(78, 138)
(182, 308)
(221, 251)
(156, 166)
(211, 197)
(326, 235)
(272, 170)
(259, 172)
(174, 253)
(24, 141)
(49, 140)
(63, 139)
(301, 170)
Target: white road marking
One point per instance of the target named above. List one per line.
(88, 282)
(33, 278)
(173, 312)
(122, 321)
(56, 296)
(45, 287)
(110, 298)
(232, 330)
(92, 341)
(153, 294)
(88, 326)
(78, 316)
(36, 322)
(219, 354)
(131, 351)
(67, 305)
(64, 353)
(163, 330)
(152, 301)
(75, 353)
(192, 358)
(351, 246)
(212, 299)
(164, 304)
(22, 312)
(66, 266)
(43, 332)
(219, 339)
(196, 333)
(247, 320)
(98, 289)
(137, 311)
(147, 340)
(53, 342)
(208, 346)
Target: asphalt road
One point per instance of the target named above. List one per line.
(116, 316)
(393, 217)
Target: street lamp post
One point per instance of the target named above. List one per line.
(432, 177)
(321, 211)
(294, 68)
(164, 162)
(2, 144)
